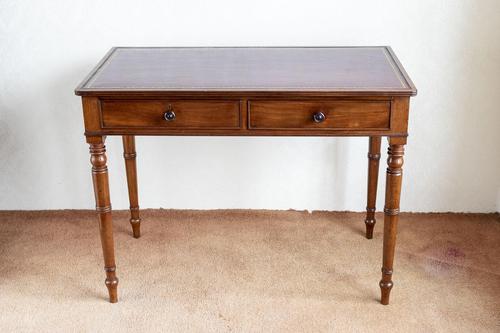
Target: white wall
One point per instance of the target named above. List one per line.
(451, 50)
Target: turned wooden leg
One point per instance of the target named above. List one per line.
(373, 162)
(129, 154)
(103, 208)
(391, 211)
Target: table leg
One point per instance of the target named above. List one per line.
(129, 155)
(103, 208)
(373, 163)
(391, 211)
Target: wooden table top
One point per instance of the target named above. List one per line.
(367, 70)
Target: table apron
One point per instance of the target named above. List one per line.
(246, 117)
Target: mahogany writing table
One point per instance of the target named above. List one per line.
(284, 91)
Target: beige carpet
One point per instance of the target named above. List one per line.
(248, 271)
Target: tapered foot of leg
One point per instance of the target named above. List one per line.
(385, 287)
(369, 229)
(112, 284)
(370, 223)
(136, 227)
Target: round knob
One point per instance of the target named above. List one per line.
(319, 117)
(169, 115)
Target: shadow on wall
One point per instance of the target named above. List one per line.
(236, 172)
(475, 93)
(72, 157)
(46, 155)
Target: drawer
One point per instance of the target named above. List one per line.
(319, 114)
(170, 114)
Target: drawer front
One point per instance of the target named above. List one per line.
(356, 115)
(170, 114)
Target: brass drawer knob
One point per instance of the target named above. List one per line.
(319, 117)
(170, 114)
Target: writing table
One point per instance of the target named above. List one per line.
(278, 91)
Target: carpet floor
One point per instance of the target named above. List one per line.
(248, 271)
